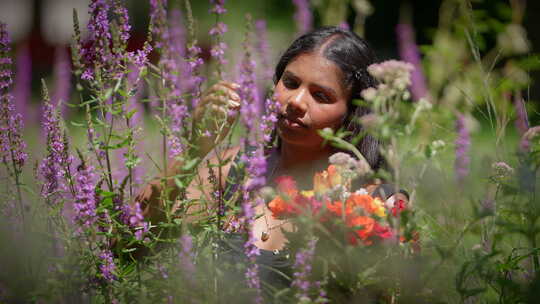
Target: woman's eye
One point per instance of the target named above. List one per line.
(290, 83)
(321, 97)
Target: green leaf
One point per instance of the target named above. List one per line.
(190, 164)
(131, 113)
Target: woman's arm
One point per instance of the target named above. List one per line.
(199, 189)
(217, 102)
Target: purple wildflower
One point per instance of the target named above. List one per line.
(98, 51)
(269, 119)
(23, 82)
(195, 81)
(51, 167)
(219, 29)
(85, 201)
(186, 256)
(463, 142)
(249, 97)
(408, 51)
(344, 25)
(107, 266)
(123, 21)
(135, 220)
(62, 77)
(158, 21)
(175, 70)
(255, 161)
(87, 75)
(11, 144)
(302, 266)
(250, 250)
(178, 113)
(140, 58)
(218, 52)
(303, 16)
(218, 7)
(262, 49)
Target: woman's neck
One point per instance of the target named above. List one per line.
(295, 155)
(302, 161)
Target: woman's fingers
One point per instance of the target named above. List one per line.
(224, 88)
(221, 94)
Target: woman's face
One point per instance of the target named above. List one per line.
(311, 98)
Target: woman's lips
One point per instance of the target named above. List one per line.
(291, 122)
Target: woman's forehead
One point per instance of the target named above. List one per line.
(315, 68)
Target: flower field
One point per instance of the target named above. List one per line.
(455, 119)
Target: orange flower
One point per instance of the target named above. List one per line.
(286, 185)
(321, 183)
(326, 180)
(333, 176)
(367, 224)
(278, 207)
(337, 208)
(370, 205)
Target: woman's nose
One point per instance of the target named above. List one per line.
(297, 103)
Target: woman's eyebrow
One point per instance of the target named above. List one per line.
(328, 89)
(289, 74)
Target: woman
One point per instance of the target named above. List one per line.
(316, 80)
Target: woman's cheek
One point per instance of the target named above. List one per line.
(323, 118)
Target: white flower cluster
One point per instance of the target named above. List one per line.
(394, 77)
(501, 171)
(350, 166)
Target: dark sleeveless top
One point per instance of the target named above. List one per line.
(275, 267)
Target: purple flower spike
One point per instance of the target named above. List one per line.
(302, 266)
(85, 201)
(463, 142)
(303, 16)
(107, 266)
(408, 51)
(123, 22)
(51, 167)
(100, 36)
(11, 144)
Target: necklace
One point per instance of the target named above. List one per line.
(265, 235)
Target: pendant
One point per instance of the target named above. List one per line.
(265, 236)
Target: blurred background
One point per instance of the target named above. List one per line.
(41, 30)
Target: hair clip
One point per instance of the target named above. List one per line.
(357, 75)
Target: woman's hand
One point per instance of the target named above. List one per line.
(214, 115)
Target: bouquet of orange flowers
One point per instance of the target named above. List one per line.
(367, 219)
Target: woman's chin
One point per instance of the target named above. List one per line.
(296, 138)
